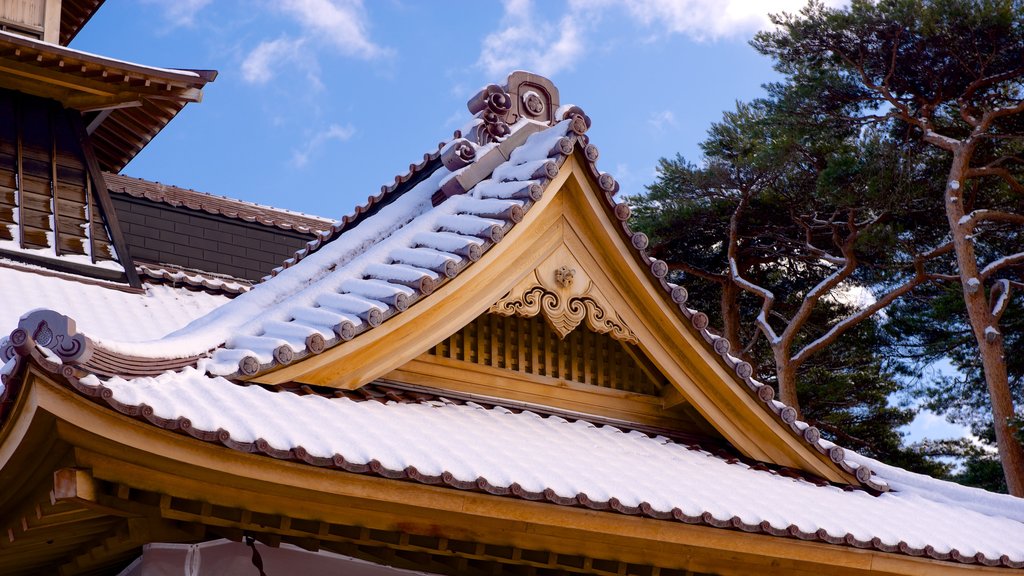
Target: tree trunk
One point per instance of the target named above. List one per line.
(785, 372)
(985, 327)
(730, 307)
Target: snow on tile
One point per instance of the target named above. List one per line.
(99, 311)
(572, 458)
(364, 268)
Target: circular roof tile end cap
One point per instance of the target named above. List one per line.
(473, 252)
(700, 321)
(515, 214)
(547, 170)
(284, 354)
(659, 268)
(622, 211)
(495, 234)
(578, 125)
(640, 241)
(400, 302)
(812, 434)
(837, 454)
(374, 317)
(864, 474)
(249, 366)
(427, 285)
(722, 346)
(563, 147)
(459, 154)
(766, 393)
(607, 182)
(345, 330)
(679, 295)
(788, 414)
(744, 370)
(535, 192)
(450, 269)
(315, 343)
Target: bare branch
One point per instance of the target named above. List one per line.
(987, 81)
(814, 296)
(845, 324)
(990, 116)
(1001, 263)
(698, 272)
(974, 218)
(999, 297)
(767, 297)
(1000, 172)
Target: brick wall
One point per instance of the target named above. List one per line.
(159, 233)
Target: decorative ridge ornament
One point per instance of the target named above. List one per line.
(524, 95)
(55, 332)
(566, 297)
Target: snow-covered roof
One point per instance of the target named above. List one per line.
(412, 239)
(103, 309)
(520, 453)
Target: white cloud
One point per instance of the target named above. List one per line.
(301, 156)
(549, 47)
(262, 63)
(339, 23)
(524, 42)
(180, 12)
(701, 20)
(663, 120)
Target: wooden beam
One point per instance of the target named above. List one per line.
(31, 72)
(19, 106)
(52, 116)
(103, 194)
(97, 120)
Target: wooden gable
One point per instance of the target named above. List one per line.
(570, 230)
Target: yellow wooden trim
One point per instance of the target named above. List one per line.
(409, 334)
(470, 378)
(572, 216)
(120, 450)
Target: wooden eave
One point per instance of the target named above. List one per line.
(125, 104)
(74, 15)
(86, 487)
(572, 217)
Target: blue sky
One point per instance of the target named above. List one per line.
(320, 102)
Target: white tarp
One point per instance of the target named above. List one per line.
(227, 558)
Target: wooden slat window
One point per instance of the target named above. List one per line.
(529, 345)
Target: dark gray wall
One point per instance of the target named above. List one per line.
(159, 233)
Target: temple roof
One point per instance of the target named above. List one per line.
(407, 243)
(480, 445)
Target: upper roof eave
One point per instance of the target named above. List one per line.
(76, 63)
(74, 15)
(113, 93)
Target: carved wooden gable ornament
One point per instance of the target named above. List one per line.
(562, 291)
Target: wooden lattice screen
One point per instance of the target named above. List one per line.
(530, 346)
(46, 196)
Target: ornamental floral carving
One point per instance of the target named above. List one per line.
(566, 298)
